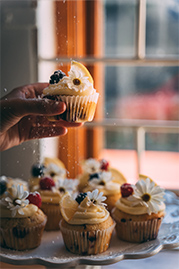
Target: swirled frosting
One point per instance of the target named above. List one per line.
(127, 206)
(104, 183)
(50, 196)
(146, 198)
(89, 213)
(15, 204)
(27, 211)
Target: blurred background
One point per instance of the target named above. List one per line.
(131, 48)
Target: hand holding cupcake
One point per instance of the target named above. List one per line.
(76, 91)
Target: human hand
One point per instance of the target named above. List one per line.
(23, 116)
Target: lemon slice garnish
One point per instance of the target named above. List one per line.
(118, 176)
(144, 177)
(48, 160)
(68, 207)
(82, 69)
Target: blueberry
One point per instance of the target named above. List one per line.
(81, 197)
(37, 170)
(3, 185)
(56, 77)
(95, 175)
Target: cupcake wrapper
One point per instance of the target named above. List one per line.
(53, 217)
(88, 242)
(22, 238)
(138, 231)
(78, 108)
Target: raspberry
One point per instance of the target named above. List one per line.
(104, 164)
(46, 183)
(35, 198)
(126, 190)
(81, 197)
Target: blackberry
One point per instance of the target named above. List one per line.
(81, 197)
(95, 175)
(3, 185)
(56, 77)
(37, 170)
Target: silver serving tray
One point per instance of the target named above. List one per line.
(52, 252)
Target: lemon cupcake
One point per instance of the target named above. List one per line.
(139, 212)
(86, 225)
(7, 182)
(103, 181)
(51, 193)
(51, 167)
(21, 221)
(76, 90)
(92, 166)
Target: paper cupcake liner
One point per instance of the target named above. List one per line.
(87, 242)
(138, 231)
(78, 108)
(53, 217)
(22, 238)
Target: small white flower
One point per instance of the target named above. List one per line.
(102, 178)
(54, 170)
(96, 197)
(15, 199)
(66, 185)
(147, 194)
(91, 166)
(76, 80)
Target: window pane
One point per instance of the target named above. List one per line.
(162, 28)
(120, 28)
(142, 92)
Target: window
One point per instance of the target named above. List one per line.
(131, 49)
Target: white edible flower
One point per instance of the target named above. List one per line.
(96, 197)
(102, 178)
(15, 199)
(66, 185)
(54, 170)
(76, 80)
(146, 193)
(91, 166)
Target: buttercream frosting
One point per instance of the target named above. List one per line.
(67, 85)
(104, 183)
(15, 205)
(89, 212)
(147, 198)
(50, 196)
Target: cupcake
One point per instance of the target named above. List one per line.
(86, 225)
(139, 212)
(7, 182)
(76, 91)
(21, 221)
(103, 181)
(92, 166)
(46, 169)
(51, 193)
